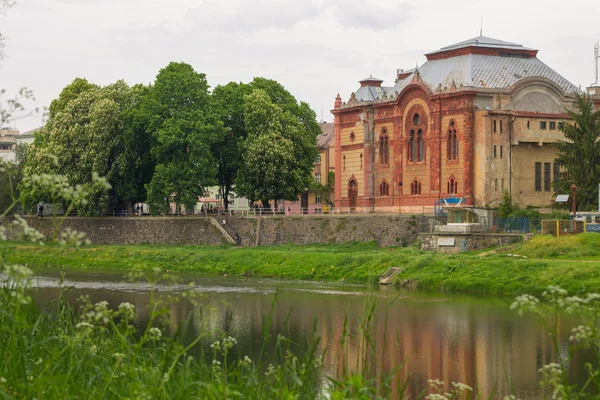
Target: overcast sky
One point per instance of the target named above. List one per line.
(315, 48)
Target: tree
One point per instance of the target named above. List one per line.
(227, 148)
(506, 206)
(279, 152)
(82, 140)
(182, 124)
(134, 162)
(579, 154)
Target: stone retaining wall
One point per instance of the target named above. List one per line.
(386, 230)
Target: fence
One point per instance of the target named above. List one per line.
(558, 227)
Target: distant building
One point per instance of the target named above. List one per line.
(479, 117)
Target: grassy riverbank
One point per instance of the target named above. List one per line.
(570, 262)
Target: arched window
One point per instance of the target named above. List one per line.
(452, 186)
(384, 150)
(452, 144)
(361, 158)
(352, 136)
(420, 146)
(412, 146)
(344, 159)
(415, 188)
(384, 188)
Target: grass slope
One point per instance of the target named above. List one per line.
(572, 262)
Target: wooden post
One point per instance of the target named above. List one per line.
(557, 228)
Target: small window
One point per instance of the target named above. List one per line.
(495, 151)
(318, 159)
(318, 199)
(496, 184)
(500, 126)
(352, 136)
(542, 124)
(561, 125)
(361, 158)
(556, 171)
(344, 159)
(500, 151)
(528, 124)
(318, 177)
(552, 125)
(495, 123)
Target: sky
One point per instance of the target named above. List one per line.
(315, 48)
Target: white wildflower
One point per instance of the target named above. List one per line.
(154, 334)
(127, 311)
(525, 303)
(84, 325)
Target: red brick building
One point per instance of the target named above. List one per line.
(450, 128)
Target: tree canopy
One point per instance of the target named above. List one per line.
(182, 123)
(230, 148)
(168, 141)
(579, 154)
(279, 152)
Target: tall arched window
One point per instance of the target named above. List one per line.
(361, 159)
(384, 188)
(344, 160)
(384, 150)
(420, 146)
(417, 124)
(452, 144)
(412, 146)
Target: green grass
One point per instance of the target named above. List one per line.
(61, 351)
(570, 262)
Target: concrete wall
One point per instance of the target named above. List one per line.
(473, 241)
(392, 230)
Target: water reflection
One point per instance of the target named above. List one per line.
(454, 338)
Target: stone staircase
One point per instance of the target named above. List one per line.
(227, 232)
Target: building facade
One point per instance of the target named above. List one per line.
(479, 117)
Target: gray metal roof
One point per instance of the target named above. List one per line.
(483, 71)
(370, 93)
(483, 41)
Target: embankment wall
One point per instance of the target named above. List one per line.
(386, 230)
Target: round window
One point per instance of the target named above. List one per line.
(416, 119)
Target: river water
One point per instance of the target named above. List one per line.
(451, 337)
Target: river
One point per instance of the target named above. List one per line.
(476, 340)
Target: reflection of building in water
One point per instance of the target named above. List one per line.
(459, 339)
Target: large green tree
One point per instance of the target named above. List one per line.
(182, 122)
(279, 152)
(579, 154)
(81, 140)
(229, 149)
